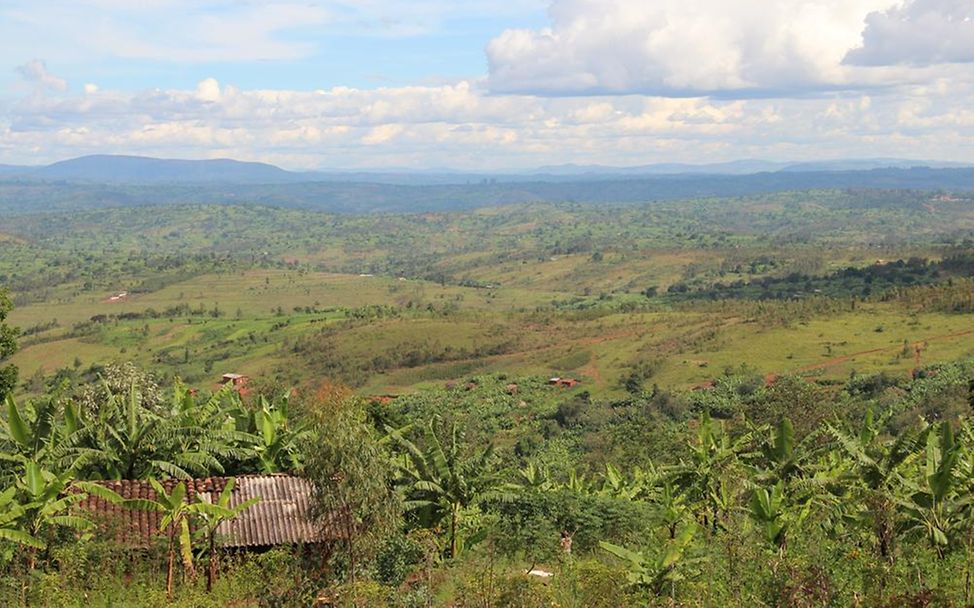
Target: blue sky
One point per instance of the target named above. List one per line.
(473, 84)
(340, 46)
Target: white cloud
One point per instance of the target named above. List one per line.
(461, 125)
(208, 90)
(35, 72)
(745, 48)
(920, 32)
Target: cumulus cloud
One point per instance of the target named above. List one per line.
(35, 72)
(921, 32)
(462, 125)
(745, 48)
(208, 90)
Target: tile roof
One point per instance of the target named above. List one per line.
(280, 517)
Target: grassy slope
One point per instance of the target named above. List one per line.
(540, 263)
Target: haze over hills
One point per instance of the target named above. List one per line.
(336, 196)
(141, 169)
(123, 169)
(126, 181)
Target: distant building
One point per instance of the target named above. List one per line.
(383, 399)
(564, 382)
(238, 381)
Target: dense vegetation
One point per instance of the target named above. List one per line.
(749, 493)
(23, 194)
(665, 292)
(773, 408)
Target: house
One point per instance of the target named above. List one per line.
(238, 381)
(563, 382)
(279, 518)
(383, 399)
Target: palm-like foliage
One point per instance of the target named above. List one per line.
(277, 437)
(667, 567)
(36, 432)
(938, 505)
(124, 439)
(175, 524)
(48, 500)
(879, 465)
(209, 516)
(715, 454)
(440, 482)
(11, 524)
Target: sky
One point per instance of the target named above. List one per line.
(478, 85)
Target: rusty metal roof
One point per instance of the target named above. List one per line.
(280, 517)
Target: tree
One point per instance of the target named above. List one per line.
(352, 474)
(11, 524)
(175, 523)
(441, 482)
(36, 432)
(938, 506)
(278, 437)
(669, 566)
(8, 346)
(47, 503)
(209, 516)
(135, 435)
(879, 464)
(707, 477)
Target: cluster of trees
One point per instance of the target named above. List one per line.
(738, 503)
(865, 282)
(748, 493)
(8, 345)
(127, 427)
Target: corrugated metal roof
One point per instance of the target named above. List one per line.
(280, 516)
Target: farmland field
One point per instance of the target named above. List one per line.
(710, 354)
(673, 293)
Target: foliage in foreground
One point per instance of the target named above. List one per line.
(858, 495)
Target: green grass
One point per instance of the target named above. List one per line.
(530, 289)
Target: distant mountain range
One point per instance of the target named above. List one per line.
(19, 195)
(117, 169)
(106, 168)
(747, 167)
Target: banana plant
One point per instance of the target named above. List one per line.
(880, 465)
(11, 524)
(776, 511)
(714, 454)
(532, 477)
(782, 456)
(441, 484)
(278, 437)
(938, 506)
(176, 514)
(203, 435)
(48, 500)
(209, 517)
(36, 432)
(668, 567)
(123, 438)
(670, 508)
(577, 483)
